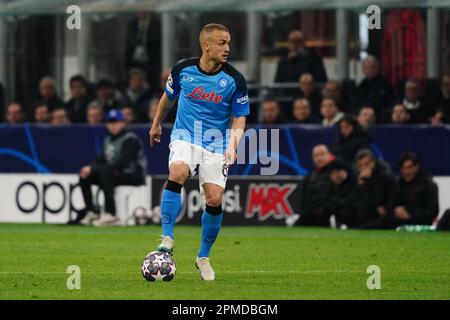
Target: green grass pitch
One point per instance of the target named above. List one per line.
(250, 263)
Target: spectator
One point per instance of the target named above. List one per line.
(41, 113)
(271, 111)
(416, 196)
(414, 103)
(128, 114)
(144, 45)
(330, 112)
(313, 185)
(299, 60)
(309, 91)
(352, 138)
(137, 93)
(47, 93)
(400, 115)
(302, 112)
(15, 113)
(373, 89)
(441, 102)
(366, 116)
(94, 113)
(106, 95)
(59, 117)
(339, 194)
(375, 192)
(151, 109)
(333, 90)
(79, 99)
(122, 162)
(417, 201)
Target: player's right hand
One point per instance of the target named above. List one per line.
(155, 134)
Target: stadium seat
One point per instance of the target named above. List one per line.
(129, 199)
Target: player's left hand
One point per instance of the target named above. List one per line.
(230, 156)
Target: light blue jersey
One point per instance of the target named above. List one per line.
(206, 103)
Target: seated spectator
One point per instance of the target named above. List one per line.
(417, 200)
(94, 113)
(400, 115)
(271, 112)
(59, 117)
(330, 112)
(352, 138)
(366, 116)
(339, 193)
(373, 89)
(47, 93)
(137, 93)
(128, 114)
(333, 90)
(302, 112)
(299, 60)
(15, 113)
(106, 95)
(308, 90)
(313, 185)
(416, 196)
(41, 113)
(440, 102)
(414, 103)
(79, 99)
(375, 191)
(151, 109)
(122, 162)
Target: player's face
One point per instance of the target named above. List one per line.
(115, 127)
(409, 170)
(218, 46)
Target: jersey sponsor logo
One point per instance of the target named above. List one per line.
(199, 93)
(223, 82)
(187, 78)
(269, 200)
(242, 100)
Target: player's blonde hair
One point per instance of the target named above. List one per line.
(210, 27)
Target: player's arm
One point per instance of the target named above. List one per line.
(164, 106)
(237, 132)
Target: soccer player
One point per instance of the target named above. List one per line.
(212, 98)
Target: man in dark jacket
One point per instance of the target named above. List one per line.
(79, 100)
(375, 191)
(313, 188)
(122, 162)
(339, 194)
(417, 194)
(352, 138)
(299, 60)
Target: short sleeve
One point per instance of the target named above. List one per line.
(173, 87)
(240, 104)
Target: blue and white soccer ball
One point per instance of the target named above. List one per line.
(158, 266)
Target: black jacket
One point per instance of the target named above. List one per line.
(419, 197)
(375, 92)
(290, 69)
(346, 148)
(377, 191)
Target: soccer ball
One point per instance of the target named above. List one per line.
(157, 266)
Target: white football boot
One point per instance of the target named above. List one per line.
(204, 267)
(166, 245)
(106, 220)
(89, 218)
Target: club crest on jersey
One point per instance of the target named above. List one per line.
(223, 82)
(199, 93)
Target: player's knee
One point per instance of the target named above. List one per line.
(214, 199)
(179, 173)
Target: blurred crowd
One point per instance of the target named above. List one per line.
(363, 192)
(315, 100)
